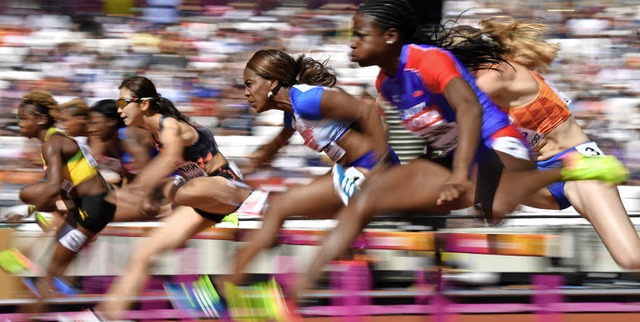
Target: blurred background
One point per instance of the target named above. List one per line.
(195, 51)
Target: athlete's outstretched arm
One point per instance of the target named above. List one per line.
(464, 101)
(43, 194)
(341, 105)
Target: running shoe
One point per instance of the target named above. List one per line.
(259, 302)
(62, 287)
(230, 219)
(13, 261)
(603, 168)
(197, 299)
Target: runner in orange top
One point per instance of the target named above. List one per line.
(541, 113)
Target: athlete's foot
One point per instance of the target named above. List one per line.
(603, 168)
(262, 301)
(109, 310)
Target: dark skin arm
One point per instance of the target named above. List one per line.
(43, 194)
(266, 152)
(464, 101)
(336, 104)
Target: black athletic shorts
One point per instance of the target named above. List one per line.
(226, 172)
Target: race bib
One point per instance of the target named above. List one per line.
(589, 149)
(334, 151)
(531, 136)
(191, 170)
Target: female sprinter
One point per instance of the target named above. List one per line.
(437, 99)
(122, 150)
(349, 131)
(72, 184)
(205, 190)
(541, 113)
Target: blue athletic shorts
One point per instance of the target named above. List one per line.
(557, 188)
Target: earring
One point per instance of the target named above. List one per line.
(270, 94)
(389, 42)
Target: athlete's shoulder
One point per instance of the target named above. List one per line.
(305, 100)
(418, 54)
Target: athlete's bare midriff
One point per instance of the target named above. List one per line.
(356, 144)
(566, 135)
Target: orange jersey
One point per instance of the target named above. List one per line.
(548, 110)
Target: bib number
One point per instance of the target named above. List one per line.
(190, 170)
(334, 151)
(589, 149)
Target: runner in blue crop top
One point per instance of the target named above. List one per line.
(330, 121)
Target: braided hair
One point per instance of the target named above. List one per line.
(41, 102)
(401, 15)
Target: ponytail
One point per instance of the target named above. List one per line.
(143, 87)
(166, 107)
(313, 72)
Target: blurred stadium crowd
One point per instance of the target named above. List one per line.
(195, 50)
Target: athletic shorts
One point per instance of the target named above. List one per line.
(93, 213)
(506, 140)
(557, 188)
(226, 172)
(368, 160)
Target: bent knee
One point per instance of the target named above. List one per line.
(628, 261)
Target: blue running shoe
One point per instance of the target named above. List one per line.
(63, 287)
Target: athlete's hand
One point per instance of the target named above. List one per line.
(453, 188)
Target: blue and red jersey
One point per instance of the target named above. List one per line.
(417, 92)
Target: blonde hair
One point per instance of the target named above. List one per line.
(522, 40)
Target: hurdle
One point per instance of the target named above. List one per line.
(352, 296)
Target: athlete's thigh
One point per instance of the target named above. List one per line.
(512, 163)
(179, 226)
(317, 199)
(601, 205)
(411, 187)
(214, 194)
(542, 199)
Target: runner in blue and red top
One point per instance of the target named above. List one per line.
(438, 100)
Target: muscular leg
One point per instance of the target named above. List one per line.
(212, 194)
(411, 187)
(60, 261)
(316, 200)
(177, 228)
(601, 205)
(518, 183)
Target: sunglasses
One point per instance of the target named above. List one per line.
(122, 102)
